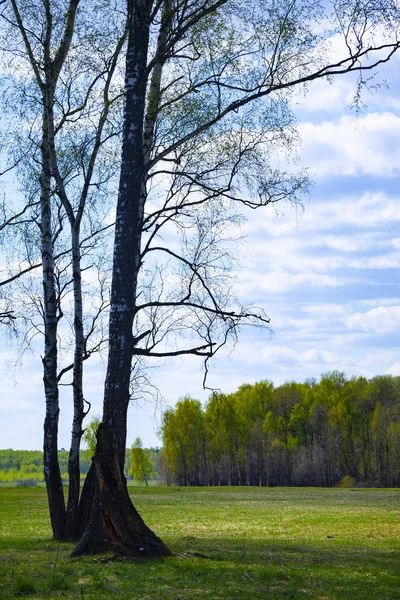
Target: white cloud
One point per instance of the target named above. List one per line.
(380, 302)
(363, 214)
(325, 96)
(326, 310)
(281, 356)
(351, 243)
(353, 146)
(375, 262)
(394, 369)
(280, 281)
(382, 319)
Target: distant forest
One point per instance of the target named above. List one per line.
(27, 465)
(335, 431)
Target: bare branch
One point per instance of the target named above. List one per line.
(197, 351)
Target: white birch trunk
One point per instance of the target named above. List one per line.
(50, 445)
(77, 386)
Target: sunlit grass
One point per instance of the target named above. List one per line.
(229, 543)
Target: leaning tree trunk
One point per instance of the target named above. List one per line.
(52, 473)
(122, 529)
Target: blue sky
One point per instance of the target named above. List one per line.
(327, 276)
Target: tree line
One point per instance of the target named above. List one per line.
(27, 465)
(23, 465)
(315, 433)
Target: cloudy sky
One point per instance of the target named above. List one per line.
(328, 276)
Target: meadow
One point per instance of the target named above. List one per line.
(229, 544)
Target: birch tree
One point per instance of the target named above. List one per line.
(206, 104)
(72, 94)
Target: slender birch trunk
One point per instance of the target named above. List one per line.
(71, 529)
(153, 100)
(72, 513)
(52, 72)
(52, 473)
(52, 69)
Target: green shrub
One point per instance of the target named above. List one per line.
(347, 482)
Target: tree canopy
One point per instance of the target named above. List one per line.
(312, 433)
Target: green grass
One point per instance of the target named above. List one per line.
(230, 543)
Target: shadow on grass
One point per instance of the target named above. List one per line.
(262, 568)
(223, 568)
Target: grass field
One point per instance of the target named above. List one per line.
(229, 543)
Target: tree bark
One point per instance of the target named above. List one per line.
(52, 69)
(71, 527)
(129, 218)
(52, 473)
(122, 529)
